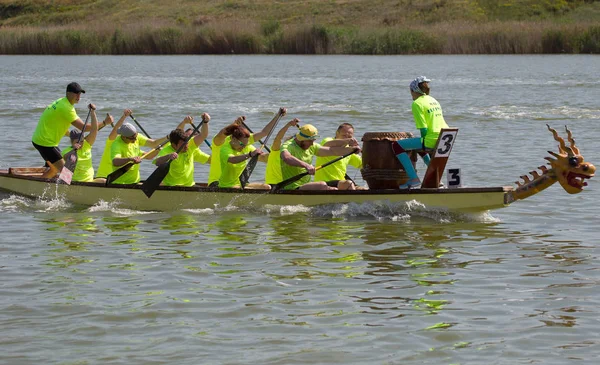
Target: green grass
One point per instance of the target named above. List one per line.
(299, 27)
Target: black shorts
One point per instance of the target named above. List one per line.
(51, 154)
(333, 183)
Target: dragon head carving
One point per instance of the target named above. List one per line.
(568, 165)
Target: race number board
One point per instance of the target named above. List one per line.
(441, 153)
(453, 178)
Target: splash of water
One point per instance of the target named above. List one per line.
(113, 207)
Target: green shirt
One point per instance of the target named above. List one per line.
(428, 114)
(54, 123)
(84, 171)
(181, 170)
(215, 164)
(335, 171)
(273, 169)
(288, 171)
(122, 149)
(230, 172)
(105, 167)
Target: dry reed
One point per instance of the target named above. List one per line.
(271, 38)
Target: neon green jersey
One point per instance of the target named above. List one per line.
(122, 149)
(200, 156)
(230, 172)
(105, 167)
(273, 169)
(428, 114)
(54, 123)
(335, 171)
(84, 171)
(288, 171)
(181, 170)
(215, 164)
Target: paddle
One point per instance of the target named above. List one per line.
(261, 142)
(245, 175)
(292, 179)
(154, 180)
(66, 174)
(123, 169)
(139, 125)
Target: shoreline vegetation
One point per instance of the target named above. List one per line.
(401, 27)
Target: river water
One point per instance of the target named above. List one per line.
(353, 284)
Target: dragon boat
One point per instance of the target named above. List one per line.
(566, 167)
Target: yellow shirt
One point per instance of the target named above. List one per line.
(121, 149)
(84, 171)
(215, 164)
(54, 123)
(230, 172)
(428, 114)
(181, 169)
(288, 171)
(273, 170)
(105, 167)
(200, 156)
(335, 171)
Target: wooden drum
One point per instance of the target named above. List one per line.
(381, 169)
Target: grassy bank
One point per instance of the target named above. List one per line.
(299, 27)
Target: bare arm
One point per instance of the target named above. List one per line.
(287, 158)
(279, 137)
(203, 130)
(244, 157)
(153, 143)
(343, 142)
(162, 159)
(114, 132)
(262, 134)
(336, 151)
(91, 137)
(78, 123)
(120, 161)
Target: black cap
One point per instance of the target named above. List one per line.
(75, 88)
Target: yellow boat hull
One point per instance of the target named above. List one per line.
(202, 197)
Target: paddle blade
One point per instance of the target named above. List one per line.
(118, 173)
(70, 160)
(66, 176)
(154, 180)
(245, 176)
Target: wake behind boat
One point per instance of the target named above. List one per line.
(566, 167)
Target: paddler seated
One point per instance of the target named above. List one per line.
(105, 166)
(181, 170)
(234, 156)
(429, 119)
(126, 149)
(273, 169)
(335, 175)
(84, 170)
(222, 138)
(297, 156)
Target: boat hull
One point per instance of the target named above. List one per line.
(202, 197)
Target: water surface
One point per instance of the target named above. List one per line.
(352, 284)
